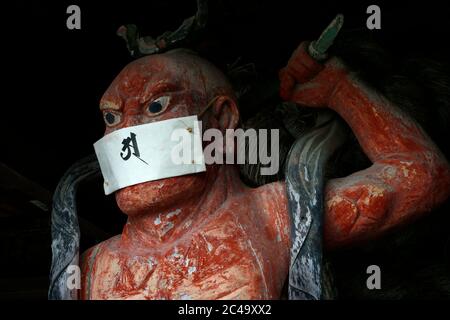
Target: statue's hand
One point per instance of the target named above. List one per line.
(307, 82)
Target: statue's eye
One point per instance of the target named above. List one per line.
(111, 118)
(158, 106)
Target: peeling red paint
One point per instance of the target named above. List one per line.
(203, 236)
(208, 236)
(409, 175)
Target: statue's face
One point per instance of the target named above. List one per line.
(151, 89)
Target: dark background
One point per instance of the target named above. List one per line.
(53, 79)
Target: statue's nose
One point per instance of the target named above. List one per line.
(132, 113)
(132, 119)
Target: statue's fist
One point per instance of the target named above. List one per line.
(308, 82)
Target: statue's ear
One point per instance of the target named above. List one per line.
(226, 112)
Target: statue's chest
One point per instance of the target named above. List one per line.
(219, 261)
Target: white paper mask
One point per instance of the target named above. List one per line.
(149, 152)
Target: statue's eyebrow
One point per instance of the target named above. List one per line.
(108, 105)
(157, 89)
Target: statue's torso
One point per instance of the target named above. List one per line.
(241, 252)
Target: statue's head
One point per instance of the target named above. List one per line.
(160, 87)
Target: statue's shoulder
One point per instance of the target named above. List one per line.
(274, 192)
(89, 259)
(272, 202)
(109, 245)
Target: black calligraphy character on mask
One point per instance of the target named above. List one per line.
(129, 143)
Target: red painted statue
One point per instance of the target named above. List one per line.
(209, 236)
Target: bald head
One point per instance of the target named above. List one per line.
(175, 71)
